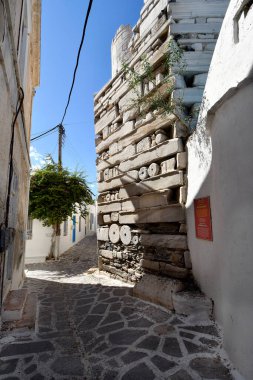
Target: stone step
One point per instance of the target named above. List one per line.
(29, 315)
(13, 305)
(194, 304)
(158, 289)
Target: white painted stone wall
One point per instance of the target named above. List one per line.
(19, 67)
(220, 166)
(38, 248)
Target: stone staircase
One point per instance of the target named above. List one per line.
(19, 310)
(175, 295)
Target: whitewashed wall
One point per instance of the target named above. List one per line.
(38, 248)
(220, 166)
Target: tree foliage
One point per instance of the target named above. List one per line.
(57, 194)
(159, 96)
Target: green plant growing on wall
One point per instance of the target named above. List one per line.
(56, 195)
(159, 96)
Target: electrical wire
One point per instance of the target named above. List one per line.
(73, 79)
(45, 133)
(77, 60)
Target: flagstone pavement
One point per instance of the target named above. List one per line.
(90, 327)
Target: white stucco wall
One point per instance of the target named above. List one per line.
(38, 248)
(220, 166)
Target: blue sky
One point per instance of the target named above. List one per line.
(62, 23)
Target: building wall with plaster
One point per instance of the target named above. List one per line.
(39, 237)
(142, 159)
(19, 68)
(220, 166)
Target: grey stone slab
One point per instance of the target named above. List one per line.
(110, 375)
(26, 348)
(30, 369)
(141, 322)
(99, 309)
(181, 375)
(90, 322)
(210, 368)
(141, 371)
(37, 376)
(111, 318)
(110, 328)
(133, 356)
(186, 335)
(193, 348)
(209, 342)
(209, 330)
(8, 366)
(162, 364)
(171, 347)
(115, 351)
(68, 366)
(150, 343)
(125, 336)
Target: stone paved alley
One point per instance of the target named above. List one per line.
(89, 327)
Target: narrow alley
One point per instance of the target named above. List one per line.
(88, 326)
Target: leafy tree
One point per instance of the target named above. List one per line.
(55, 195)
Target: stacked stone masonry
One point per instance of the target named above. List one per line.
(142, 160)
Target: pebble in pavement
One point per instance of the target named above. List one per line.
(90, 327)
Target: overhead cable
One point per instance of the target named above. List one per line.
(77, 60)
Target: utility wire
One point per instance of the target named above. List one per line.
(78, 56)
(74, 76)
(45, 133)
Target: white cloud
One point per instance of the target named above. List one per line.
(37, 159)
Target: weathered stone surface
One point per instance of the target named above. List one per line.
(181, 160)
(26, 348)
(68, 366)
(114, 233)
(210, 368)
(143, 145)
(200, 80)
(165, 268)
(162, 363)
(105, 253)
(194, 304)
(183, 194)
(168, 165)
(167, 214)
(168, 148)
(153, 169)
(168, 241)
(125, 235)
(167, 181)
(138, 372)
(195, 28)
(130, 177)
(157, 289)
(103, 233)
(188, 96)
(14, 304)
(187, 260)
(107, 218)
(114, 216)
(111, 207)
(143, 173)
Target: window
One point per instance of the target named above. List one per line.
(29, 229)
(80, 223)
(65, 228)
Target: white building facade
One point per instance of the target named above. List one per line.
(19, 75)
(220, 167)
(73, 230)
